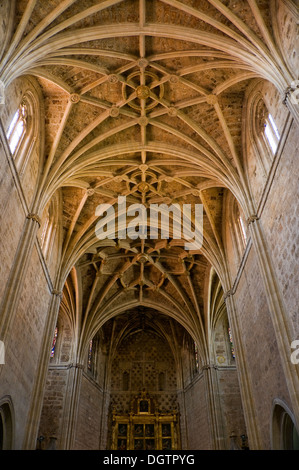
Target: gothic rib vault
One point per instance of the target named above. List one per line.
(183, 137)
(143, 99)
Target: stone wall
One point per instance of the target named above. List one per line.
(275, 198)
(10, 228)
(27, 278)
(144, 355)
(89, 421)
(262, 356)
(288, 32)
(53, 404)
(280, 220)
(230, 404)
(6, 23)
(23, 345)
(195, 424)
(27, 295)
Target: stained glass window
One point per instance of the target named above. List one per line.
(196, 356)
(54, 342)
(231, 342)
(89, 362)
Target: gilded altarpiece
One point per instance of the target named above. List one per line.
(145, 428)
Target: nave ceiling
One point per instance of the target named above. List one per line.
(143, 99)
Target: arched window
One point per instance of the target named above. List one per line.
(196, 360)
(242, 228)
(48, 228)
(17, 128)
(239, 229)
(271, 133)
(261, 134)
(54, 342)
(223, 343)
(290, 436)
(25, 127)
(236, 232)
(284, 433)
(265, 132)
(90, 356)
(6, 424)
(231, 343)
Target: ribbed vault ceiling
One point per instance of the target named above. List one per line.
(142, 99)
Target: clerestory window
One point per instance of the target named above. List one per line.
(271, 133)
(17, 128)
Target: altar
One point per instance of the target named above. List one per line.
(144, 427)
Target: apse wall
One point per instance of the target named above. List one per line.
(144, 356)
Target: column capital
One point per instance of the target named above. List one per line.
(75, 365)
(292, 93)
(209, 366)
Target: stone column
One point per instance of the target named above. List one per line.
(70, 413)
(42, 371)
(291, 100)
(104, 419)
(252, 428)
(183, 424)
(214, 407)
